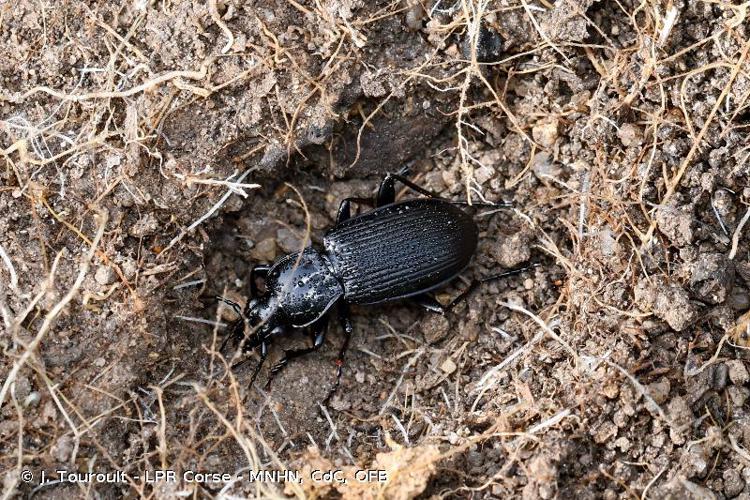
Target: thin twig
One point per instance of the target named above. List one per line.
(737, 233)
(9, 264)
(221, 24)
(205, 216)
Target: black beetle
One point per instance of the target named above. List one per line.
(396, 251)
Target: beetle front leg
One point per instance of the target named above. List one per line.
(256, 272)
(319, 337)
(234, 328)
(346, 325)
(263, 356)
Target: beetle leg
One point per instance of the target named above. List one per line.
(430, 303)
(255, 272)
(233, 327)
(235, 306)
(263, 352)
(263, 356)
(319, 336)
(475, 284)
(345, 211)
(346, 325)
(387, 193)
(232, 333)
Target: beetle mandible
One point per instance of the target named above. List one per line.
(399, 250)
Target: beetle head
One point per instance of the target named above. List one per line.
(261, 315)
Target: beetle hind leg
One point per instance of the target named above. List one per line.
(345, 207)
(430, 303)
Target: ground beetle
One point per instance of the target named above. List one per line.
(399, 250)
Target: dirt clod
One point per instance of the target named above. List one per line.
(630, 134)
(676, 224)
(733, 483)
(668, 301)
(712, 278)
(545, 133)
(738, 372)
(513, 250)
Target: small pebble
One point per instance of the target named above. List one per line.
(288, 241)
(264, 250)
(32, 399)
(453, 438)
(448, 366)
(733, 483)
(719, 381)
(414, 15)
(737, 372)
(738, 395)
(483, 174)
(659, 390)
(104, 275)
(545, 133)
(630, 134)
(623, 443)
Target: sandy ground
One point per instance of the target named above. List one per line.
(152, 152)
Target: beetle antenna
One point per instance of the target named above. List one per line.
(231, 303)
(405, 170)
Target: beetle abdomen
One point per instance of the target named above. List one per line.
(401, 249)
